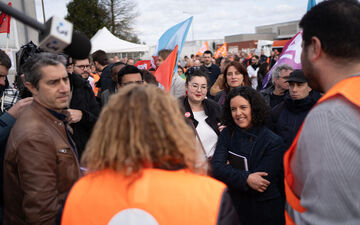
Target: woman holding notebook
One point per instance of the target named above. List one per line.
(248, 158)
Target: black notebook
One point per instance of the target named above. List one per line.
(238, 161)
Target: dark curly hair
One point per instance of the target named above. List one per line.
(197, 72)
(260, 111)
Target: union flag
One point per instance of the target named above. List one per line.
(222, 51)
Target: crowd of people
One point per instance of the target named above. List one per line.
(98, 140)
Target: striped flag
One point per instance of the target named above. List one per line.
(204, 47)
(174, 36)
(222, 51)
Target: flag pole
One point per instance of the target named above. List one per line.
(7, 42)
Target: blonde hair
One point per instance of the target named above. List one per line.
(141, 126)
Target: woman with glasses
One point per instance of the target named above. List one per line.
(248, 158)
(235, 75)
(204, 113)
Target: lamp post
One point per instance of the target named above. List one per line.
(43, 10)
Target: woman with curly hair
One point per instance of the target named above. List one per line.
(248, 158)
(143, 168)
(235, 75)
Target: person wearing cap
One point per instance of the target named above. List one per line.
(288, 115)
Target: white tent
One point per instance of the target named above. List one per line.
(106, 41)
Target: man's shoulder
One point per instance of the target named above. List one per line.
(331, 116)
(214, 66)
(11, 96)
(334, 107)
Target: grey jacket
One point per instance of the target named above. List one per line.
(177, 86)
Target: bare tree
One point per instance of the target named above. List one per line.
(122, 16)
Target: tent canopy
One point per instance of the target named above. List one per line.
(106, 41)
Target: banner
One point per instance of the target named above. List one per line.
(203, 48)
(5, 22)
(143, 64)
(165, 71)
(222, 51)
(291, 55)
(174, 36)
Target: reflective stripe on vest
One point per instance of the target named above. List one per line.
(347, 88)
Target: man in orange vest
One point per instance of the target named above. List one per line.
(322, 166)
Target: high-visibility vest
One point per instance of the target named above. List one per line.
(157, 197)
(96, 79)
(347, 88)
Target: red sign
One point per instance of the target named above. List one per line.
(5, 22)
(143, 64)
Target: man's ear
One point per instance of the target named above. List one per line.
(31, 88)
(315, 49)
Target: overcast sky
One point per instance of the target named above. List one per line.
(213, 19)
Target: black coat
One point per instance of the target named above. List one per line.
(211, 109)
(83, 99)
(105, 82)
(288, 116)
(214, 72)
(263, 150)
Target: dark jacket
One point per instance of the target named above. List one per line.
(268, 94)
(83, 99)
(7, 121)
(105, 96)
(105, 82)
(39, 169)
(211, 109)
(288, 116)
(263, 150)
(220, 98)
(214, 72)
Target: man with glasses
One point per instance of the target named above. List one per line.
(82, 67)
(274, 95)
(84, 108)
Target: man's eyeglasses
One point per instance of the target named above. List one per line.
(82, 67)
(132, 82)
(196, 86)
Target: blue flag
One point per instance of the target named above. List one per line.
(311, 3)
(175, 35)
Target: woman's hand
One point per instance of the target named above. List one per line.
(257, 182)
(221, 127)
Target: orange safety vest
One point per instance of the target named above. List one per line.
(347, 88)
(96, 79)
(168, 197)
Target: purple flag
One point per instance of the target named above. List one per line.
(291, 55)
